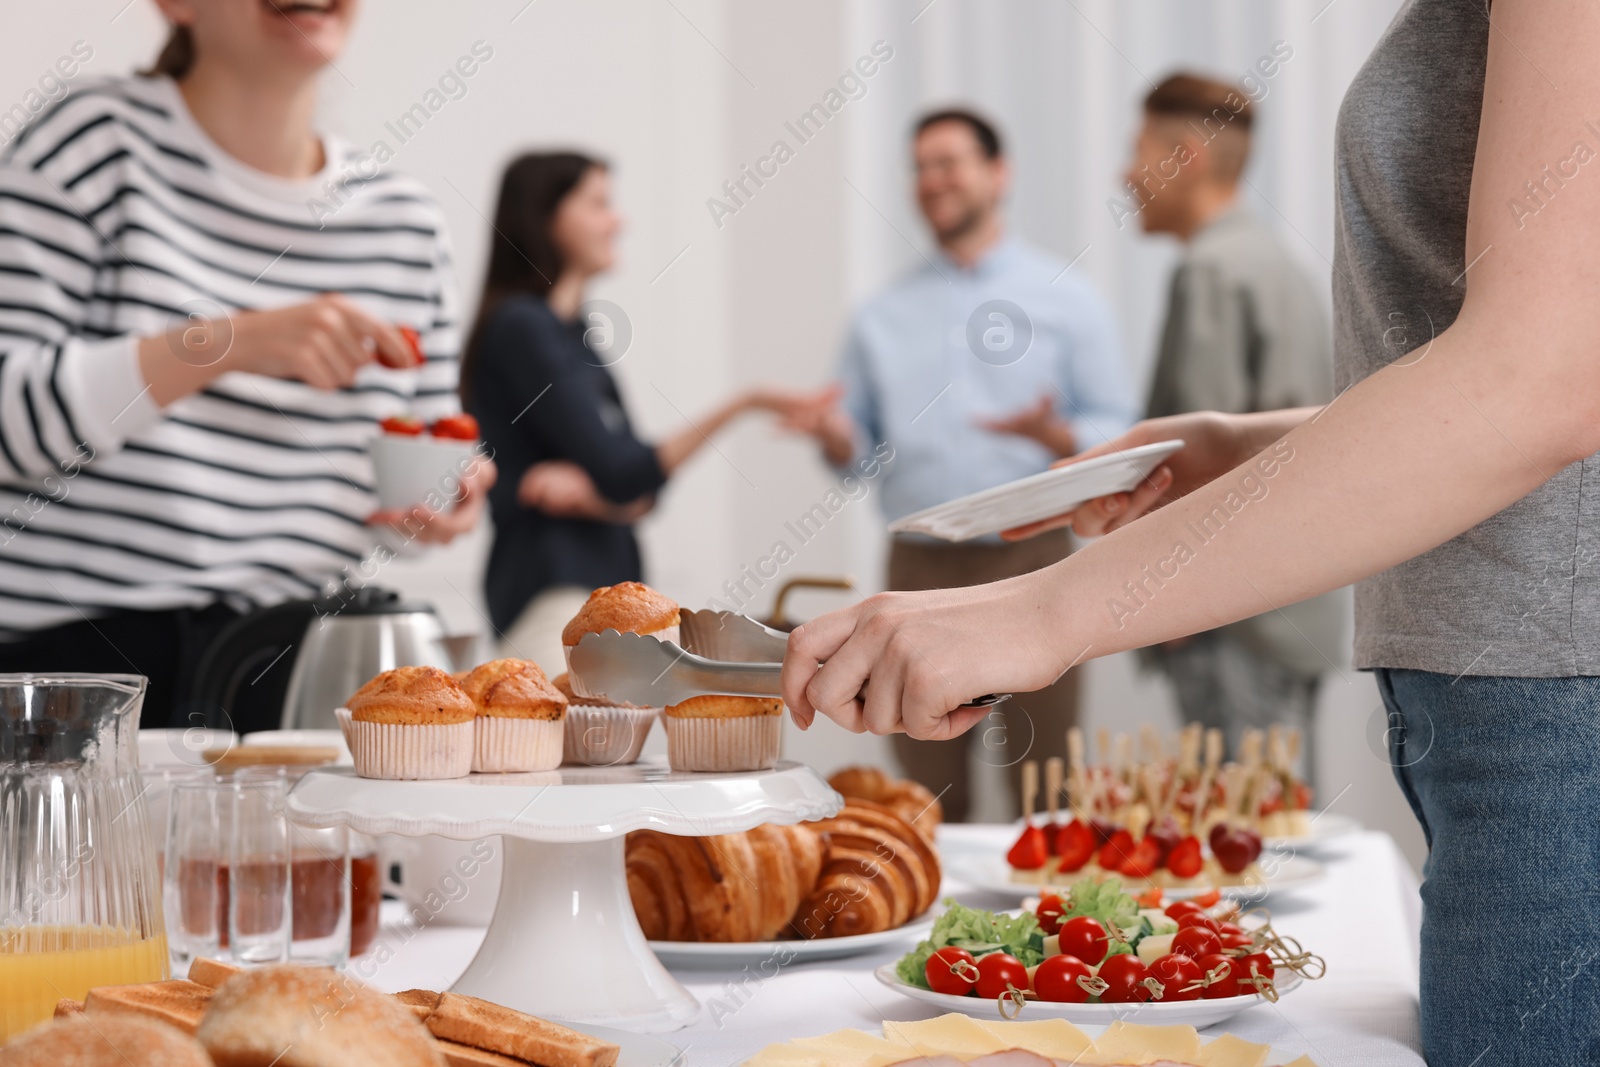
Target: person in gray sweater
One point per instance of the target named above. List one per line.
(1244, 332)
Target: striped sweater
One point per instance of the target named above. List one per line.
(120, 219)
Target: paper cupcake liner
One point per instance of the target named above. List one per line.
(668, 634)
(502, 744)
(741, 743)
(407, 750)
(605, 735)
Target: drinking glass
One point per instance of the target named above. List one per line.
(321, 898)
(195, 870)
(260, 885)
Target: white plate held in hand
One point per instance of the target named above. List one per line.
(1038, 496)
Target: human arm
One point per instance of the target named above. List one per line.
(323, 342)
(788, 404)
(435, 394)
(1038, 422)
(1214, 443)
(549, 397)
(561, 488)
(1406, 459)
(69, 394)
(842, 417)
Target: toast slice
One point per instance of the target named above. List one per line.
(466, 1056)
(482, 1025)
(420, 1001)
(211, 972)
(179, 1002)
(66, 1008)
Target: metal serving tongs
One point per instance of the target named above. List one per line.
(717, 652)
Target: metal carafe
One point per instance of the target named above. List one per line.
(326, 649)
(80, 892)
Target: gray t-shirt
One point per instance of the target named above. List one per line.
(1517, 595)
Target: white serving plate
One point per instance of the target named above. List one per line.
(1038, 496)
(1325, 826)
(563, 881)
(993, 874)
(739, 953)
(1196, 1013)
(638, 1050)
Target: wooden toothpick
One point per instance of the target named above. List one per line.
(1030, 788)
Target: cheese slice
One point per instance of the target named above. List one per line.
(1230, 1051)
(1302, 1061)
(1129, 1043)
(786, 1056)
(1055, 1038)
(855, 1048)
(954, 1035)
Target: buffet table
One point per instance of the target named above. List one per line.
(1364, 919)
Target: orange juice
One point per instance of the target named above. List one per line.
(40, 965)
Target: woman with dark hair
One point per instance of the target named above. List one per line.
(576, 476)
(191, 362)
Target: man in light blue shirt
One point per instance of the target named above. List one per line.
(983, 365)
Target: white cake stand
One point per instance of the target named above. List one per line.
(564, 942)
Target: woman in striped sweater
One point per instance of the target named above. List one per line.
(194, 352)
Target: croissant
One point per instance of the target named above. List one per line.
(879, 873)
(912, 801)
(730, 887)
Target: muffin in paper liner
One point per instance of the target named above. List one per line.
(508, 744)
(734, 743)
(407, 750)
(668, 633)
(606, 735)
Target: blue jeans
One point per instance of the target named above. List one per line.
(1504, 775)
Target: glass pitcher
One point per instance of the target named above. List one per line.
(80, 902)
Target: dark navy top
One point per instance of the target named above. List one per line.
(541, 393)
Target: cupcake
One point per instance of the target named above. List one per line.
(601, 732)
(519, 716)
(724, 733)
(411, 722)
(628, 607)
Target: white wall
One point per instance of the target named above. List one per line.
(678, 95)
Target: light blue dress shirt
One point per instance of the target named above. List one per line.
(946, 347)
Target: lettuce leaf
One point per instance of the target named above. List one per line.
(1104, 901)
(980, 933)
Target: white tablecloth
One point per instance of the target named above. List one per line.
(1363, 919)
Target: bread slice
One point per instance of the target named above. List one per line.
(178, 1003)
(483, 1025)
(466, 1056)
(107, 1042)
(420, 1001)
(211, 972)
(66, 1008)
(288, 1016)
